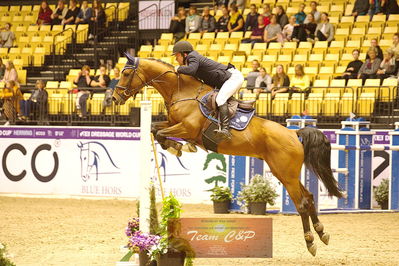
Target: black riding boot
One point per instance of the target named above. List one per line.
(224, 132)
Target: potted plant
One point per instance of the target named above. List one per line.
(257, 194)
(221, 197)
(381, 194)
(140, 242)
(4, 257)
(172, 249)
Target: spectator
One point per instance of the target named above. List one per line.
(193, 21)
(302, 32)
(102, 80)
(37, 102)
(324, 30)
(240, 4)
(390, 7)
(263, 82)
(178, 24)
(236, 21)
(59, 13)
(375, 7)
(251, 77)
(111, 86)
(10, 73)
(300, 16)
(44, 17)
(252, 18)
(72, 13)
(374, 44)
(257, 32)
(395, 46)
(97, 21)
(85, 13)
(299, 82)
(266, 13)
(282, 18)
(272, 30)
(370, 67)
(286, 34)
(208, 22)
(316, 14)
(7, 37)
(83, 81)
(280, 81)
(221, 25)
(2, 69)
(352, 70)
(361, 8)
(387, 66)
(11, 97)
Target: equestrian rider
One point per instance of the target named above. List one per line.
(225, 78)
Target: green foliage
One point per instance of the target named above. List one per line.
(220, 194)
(154, 224)
(258, 190)
(381, 192)
(127, 256)
(4, 260)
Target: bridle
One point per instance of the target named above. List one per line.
(127, 91)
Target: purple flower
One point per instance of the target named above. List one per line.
(132, 226)
(142, 241)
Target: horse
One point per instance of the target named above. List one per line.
(284, 150)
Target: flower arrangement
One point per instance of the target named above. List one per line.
(220, 194)
(4, 257)
(381, 193)
(139, 241)
(259, 189)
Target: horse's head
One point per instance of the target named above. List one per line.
(130, 82)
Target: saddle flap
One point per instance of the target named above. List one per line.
(232, 103)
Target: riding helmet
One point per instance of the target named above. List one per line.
(182, 47)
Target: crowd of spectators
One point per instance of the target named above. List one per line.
(94, 16)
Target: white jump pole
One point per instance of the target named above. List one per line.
(145, 165)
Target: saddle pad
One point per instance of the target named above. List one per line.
(240, 120)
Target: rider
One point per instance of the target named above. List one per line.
(225, 78)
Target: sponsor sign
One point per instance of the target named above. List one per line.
(228, 237)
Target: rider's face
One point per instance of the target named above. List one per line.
(179, 58)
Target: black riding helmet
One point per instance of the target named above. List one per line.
(182, 47)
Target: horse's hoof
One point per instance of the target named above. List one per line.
(312, 249)
(174, 152)
(325, 238)
(189, 147)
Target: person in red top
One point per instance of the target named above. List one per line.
(45, 12)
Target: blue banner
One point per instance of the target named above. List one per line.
(236, 176)
(365, 158)
(256, 167)
(395, 174)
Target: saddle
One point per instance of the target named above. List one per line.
(232, 103)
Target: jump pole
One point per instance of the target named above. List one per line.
(154, 148)
(145, 165)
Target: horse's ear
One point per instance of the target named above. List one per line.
(130, 58)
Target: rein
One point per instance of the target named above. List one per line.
(127, 91)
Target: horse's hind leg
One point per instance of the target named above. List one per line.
(298, 195)
(317, 225)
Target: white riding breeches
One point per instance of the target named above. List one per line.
(231, 85)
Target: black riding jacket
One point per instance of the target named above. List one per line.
(212, 73)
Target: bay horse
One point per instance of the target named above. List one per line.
(284, 150)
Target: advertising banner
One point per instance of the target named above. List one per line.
(228, 237)
(99, 162)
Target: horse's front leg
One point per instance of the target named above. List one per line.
(155, 127)
(177, 131)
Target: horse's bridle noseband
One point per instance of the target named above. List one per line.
(133, 63)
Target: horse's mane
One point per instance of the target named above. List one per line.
(162, 62)
(172, 67)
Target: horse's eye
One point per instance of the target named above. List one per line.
(126, 74)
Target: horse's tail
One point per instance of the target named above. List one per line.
(317, 151)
